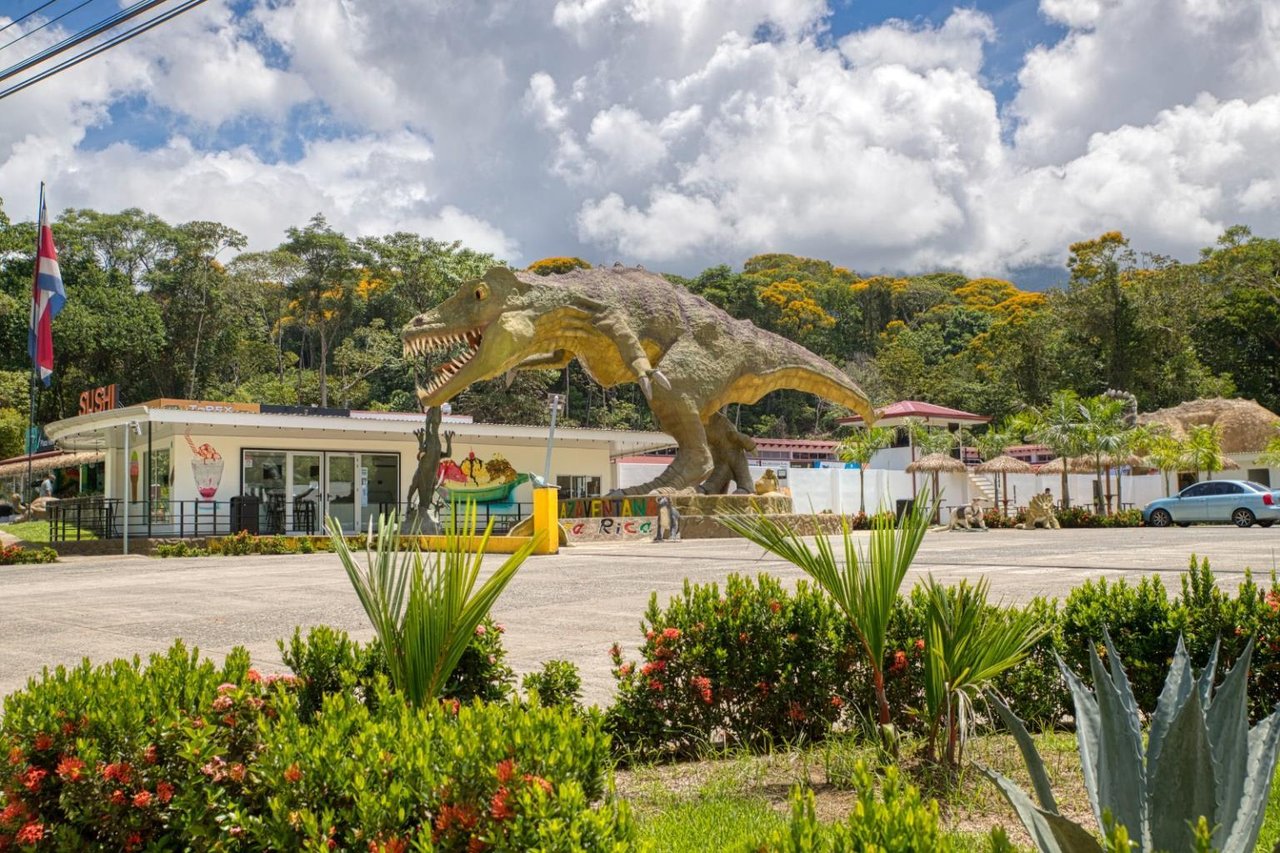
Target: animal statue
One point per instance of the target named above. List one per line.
(427, 477)
(768, 482)
(690, 358)
(668, 521)
(968, 517)
(1040, 513)
(1130, 405)
(729, 450)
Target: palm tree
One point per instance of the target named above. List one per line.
(1103, 434)
(1270, 455)
(1057, 426)
(864, 585)
(1167, 454)
(1204, 449)
(860, 447)
(992, 443)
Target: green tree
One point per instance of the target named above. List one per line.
(1104, 436)
(859, 447)
(323, 295)
(1204, 449)
(1059, 425)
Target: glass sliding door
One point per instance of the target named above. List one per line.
(342, 490)
(305, 497)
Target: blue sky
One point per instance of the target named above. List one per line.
(906, 136)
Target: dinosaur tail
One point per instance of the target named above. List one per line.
(798, 369)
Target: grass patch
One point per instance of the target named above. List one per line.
(1269, 836)
(37, 532)
(731, 803)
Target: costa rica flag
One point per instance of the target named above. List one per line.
(47, 298)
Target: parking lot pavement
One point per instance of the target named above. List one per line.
(571, 606)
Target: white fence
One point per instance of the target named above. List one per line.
(838, 489)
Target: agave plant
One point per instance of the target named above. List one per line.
(425, 610)
(1201, 761)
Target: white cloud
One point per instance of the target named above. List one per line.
(957, 44)
(679, 133)
(1126, 60)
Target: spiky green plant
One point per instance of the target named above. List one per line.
(1201, 761)
(864, 585)
(425, 610)
(969, 643)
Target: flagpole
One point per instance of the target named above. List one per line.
(35, 285)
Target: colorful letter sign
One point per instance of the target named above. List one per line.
(98, 400)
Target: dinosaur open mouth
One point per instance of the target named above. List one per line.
(426, 343)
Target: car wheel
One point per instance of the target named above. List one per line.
(1160, 518)
(1265, 523)
(1242, 518)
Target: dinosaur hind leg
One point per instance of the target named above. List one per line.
(729, 456)
(693, 461)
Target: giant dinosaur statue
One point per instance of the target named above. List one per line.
(625, 325)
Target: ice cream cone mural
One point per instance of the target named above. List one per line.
(133, 476)
(206, 468)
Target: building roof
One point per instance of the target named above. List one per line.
(102, 430)
(50, 460)
(794, 444)
(919, 409)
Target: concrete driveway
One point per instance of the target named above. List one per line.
(570, 606)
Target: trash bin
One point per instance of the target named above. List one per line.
(244, 514)
(904, 508)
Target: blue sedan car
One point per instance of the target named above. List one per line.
(1241, 502)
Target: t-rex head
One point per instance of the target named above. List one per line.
(485, 316)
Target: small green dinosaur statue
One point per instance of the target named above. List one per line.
(626, 325)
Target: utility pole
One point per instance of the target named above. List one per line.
(556, 402)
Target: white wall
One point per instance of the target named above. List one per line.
(836, 489)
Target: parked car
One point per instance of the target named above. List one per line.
(1241, 502)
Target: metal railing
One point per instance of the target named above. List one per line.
(105, 518)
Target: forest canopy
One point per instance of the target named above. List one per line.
(167, 310)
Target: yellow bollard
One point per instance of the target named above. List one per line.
(545, 520)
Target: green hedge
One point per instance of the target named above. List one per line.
(183, 754)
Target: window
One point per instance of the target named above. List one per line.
(1227, 489)
(575, 486)
(1261, 477)
(1199, 490)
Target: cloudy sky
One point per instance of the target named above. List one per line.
(880, 134)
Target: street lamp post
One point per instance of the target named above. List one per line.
(556, 403)
(136, 428)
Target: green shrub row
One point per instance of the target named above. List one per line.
(16, 555)
(1074, 517)
(754, 664)
(183, 754)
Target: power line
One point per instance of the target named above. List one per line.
(84, 35)
(94, 51)
(45, 24)
(28, 15)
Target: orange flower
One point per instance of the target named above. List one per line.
(32, 779)
(499, 808)
(506, 771)
(70, 769)
(164, 792)
(43, 742)
(142, 799)
(292, 774)
(30, 834)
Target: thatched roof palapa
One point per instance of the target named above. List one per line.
(51, 462)
(935, 463)
(1075, 465)
(1244, 426)
(1004, 465)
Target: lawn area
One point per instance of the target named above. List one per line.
(37, 532)
(732, 803)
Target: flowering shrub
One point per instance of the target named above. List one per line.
(13, 555)
(186, 755)
(557, 685)
(327, 661)
(753, 666)
(862, 521)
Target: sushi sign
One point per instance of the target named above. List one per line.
(102, 399)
